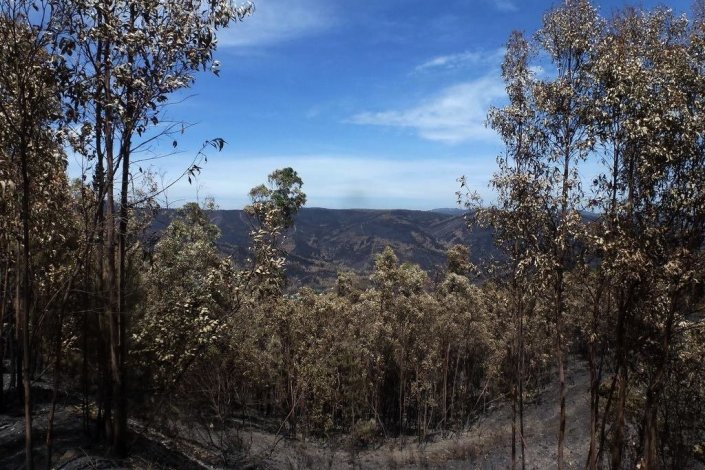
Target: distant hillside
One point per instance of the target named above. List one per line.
(450, 210)
(325, 241)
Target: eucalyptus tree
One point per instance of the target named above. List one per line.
(627, 94)
(568, 36)
(620, 95)
(650, 112)
(462, 335)
(517, 217)
(126, 58)
(678, 214)
(406, 312)
(30, 154)
(188, 293)
(546, 137)
(272, 210)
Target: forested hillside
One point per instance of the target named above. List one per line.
(324, 242)
(131, 338)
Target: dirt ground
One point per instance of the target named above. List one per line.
(73, 450)
(486, 445)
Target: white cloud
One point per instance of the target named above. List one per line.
(505, 5)
(457, 114)
(336, 181)
(276, 21)
(463, 59)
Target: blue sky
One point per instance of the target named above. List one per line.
(377, 104)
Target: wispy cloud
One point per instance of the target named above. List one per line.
(457, 114)
(505, 5)
(342, 181)
(277, 21)
(463, 59)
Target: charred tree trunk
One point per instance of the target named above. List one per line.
(521, 364)
(3, 342)
(119, 382)
(561, 369)
(654, 392)
(55, 387)
(514, 425)
(594, 407)
(594, 376)
(622, 376)
(26, 299)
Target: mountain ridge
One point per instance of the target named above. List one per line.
(324, 241)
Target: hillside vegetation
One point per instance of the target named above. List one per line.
(326, 241)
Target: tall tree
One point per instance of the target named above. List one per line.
(127, 58)
(645, 115)
(515, 218)
(625, 94)
(188, 294)
(271, 213)
(28, 109)
(568, 36)
(545, 132)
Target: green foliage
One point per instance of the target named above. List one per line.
(272, 212)
(189, 290)
(283, 197)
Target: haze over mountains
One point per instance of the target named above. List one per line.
(324, 242)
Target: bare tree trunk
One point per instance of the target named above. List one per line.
(594, 376)
(621, 377)
(455, 382)
(401, 399)
(561, 392)
(521, 387)
(561, 368)
(120, 347)
(14, 334)
(3, 343)
(55, 387)
(84, 371)
(113, 311)
(649, 458)
(514, 425)
(594, 407)
(618, 439)
(653, 395)
(120, 423)
(111, 275)
(605, 414)
(17, 372)
(445, 386)
(97, 301)
(26, 300)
